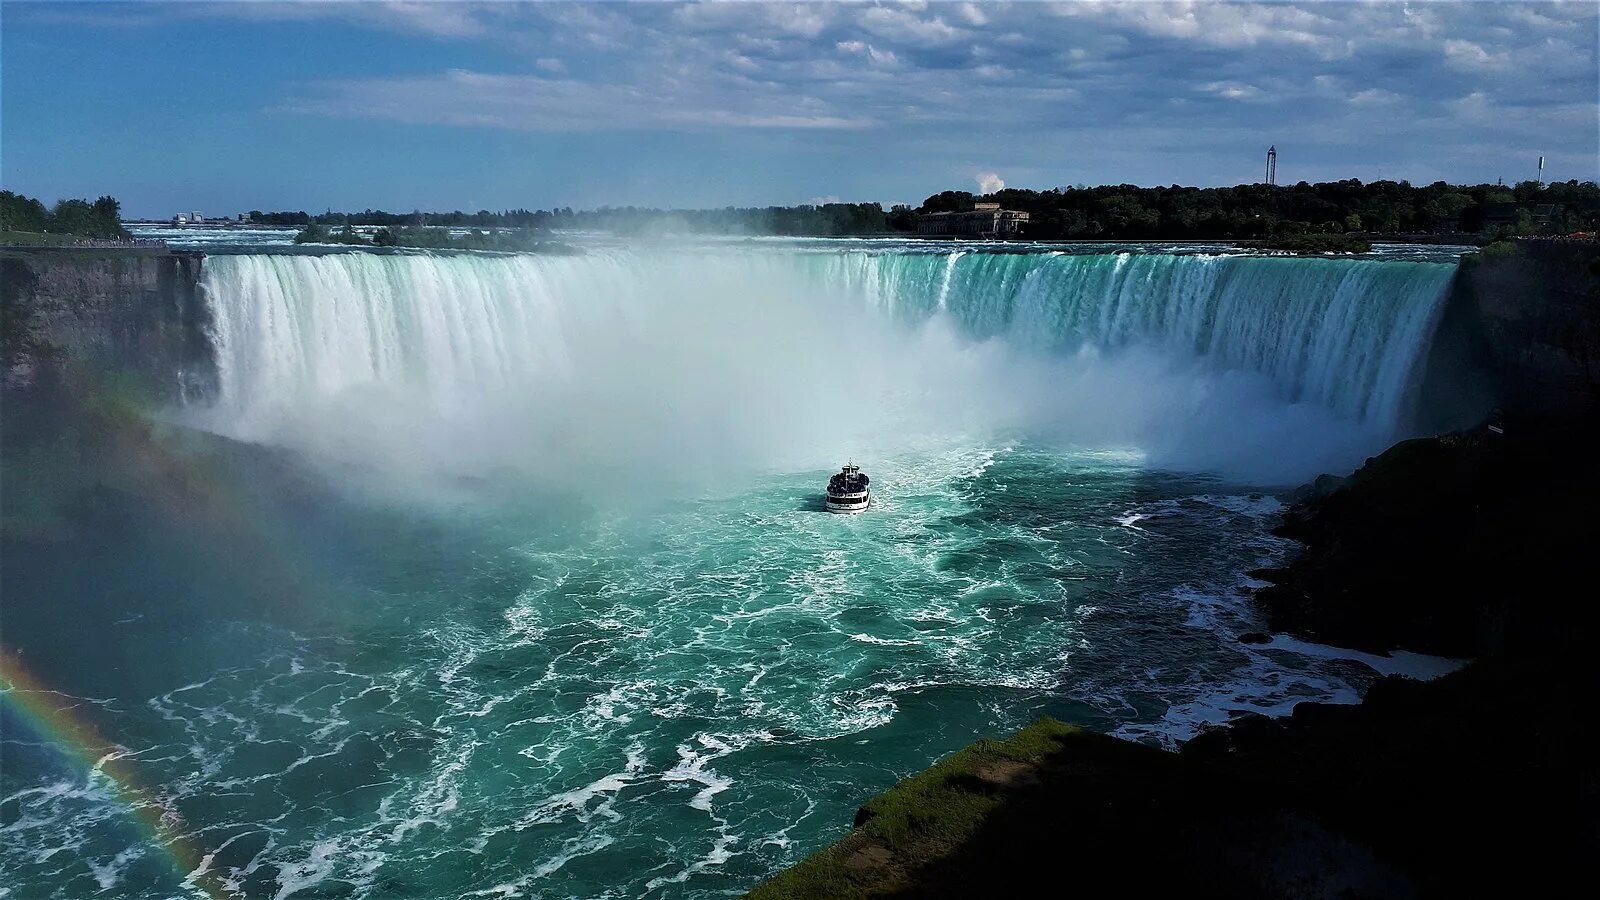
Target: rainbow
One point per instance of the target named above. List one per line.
(76, 738)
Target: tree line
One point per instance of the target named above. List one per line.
(826, 220)
(1107, 212)
(1128, 211)
(100, 218)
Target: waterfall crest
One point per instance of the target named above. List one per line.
(1347, 334)
(709, 346)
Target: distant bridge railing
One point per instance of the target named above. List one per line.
(1582, 237)
(113, 244)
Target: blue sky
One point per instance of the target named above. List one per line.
(444, 105)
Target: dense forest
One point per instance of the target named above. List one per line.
(101, 218)
(1107, 212)
(1259, 210)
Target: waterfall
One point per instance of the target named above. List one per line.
(718, 345)
(1348, 334)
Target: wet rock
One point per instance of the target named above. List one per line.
(1212, 743)
(1311, 714)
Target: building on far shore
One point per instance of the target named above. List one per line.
(984, 219)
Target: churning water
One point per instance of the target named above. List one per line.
(562, 615)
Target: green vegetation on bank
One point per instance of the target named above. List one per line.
(517, 240)
(37, 239)
(317, 234)
(929, 815)
(1329, 217)
(1107, 212)
(1127, 211)
(1310, 244)
(24, 220)
(1490, 252)
(825, 220)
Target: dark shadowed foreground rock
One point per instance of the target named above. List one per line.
(1424, 790)
(1467, 545)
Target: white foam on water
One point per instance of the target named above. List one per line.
(884, 642)
(308, 872)
(107, 874)
(1419, 666)
(575, 803)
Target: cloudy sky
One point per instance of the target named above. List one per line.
(239, 105)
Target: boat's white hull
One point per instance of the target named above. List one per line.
(861, 506)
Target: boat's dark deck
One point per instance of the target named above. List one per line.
(838, 484)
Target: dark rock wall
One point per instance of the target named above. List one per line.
(1521, 330)
(135, 312)
(1471, 543)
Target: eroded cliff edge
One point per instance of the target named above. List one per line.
(136, 312)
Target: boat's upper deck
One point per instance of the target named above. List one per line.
(850, 481)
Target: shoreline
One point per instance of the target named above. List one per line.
(1457, 782)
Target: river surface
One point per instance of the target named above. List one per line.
(534, 594)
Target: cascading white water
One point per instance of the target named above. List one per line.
(751, 350)
(1347, 334)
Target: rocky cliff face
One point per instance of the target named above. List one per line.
(1521, 330)
(137, 312)
(1463, 545)
(1466, 544)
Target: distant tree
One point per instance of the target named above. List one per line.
(902, 218)
(106, 219)
(19, 213)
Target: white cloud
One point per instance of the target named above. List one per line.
(907, 25)
(1474, 58)
(1374, 97)
(533, 103)
(971, 13)
(989, 182)
(1028, 78)
(874, 56)
(1231, 90)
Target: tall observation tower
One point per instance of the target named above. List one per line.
(1272, 164)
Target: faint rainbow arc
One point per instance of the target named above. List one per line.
(78, 739)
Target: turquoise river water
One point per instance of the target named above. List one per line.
(537, 596)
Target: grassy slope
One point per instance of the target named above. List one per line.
(38, 239)
(922, 818)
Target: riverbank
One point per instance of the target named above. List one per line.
(1473, 543)
(1467, 544)
(1422, 790)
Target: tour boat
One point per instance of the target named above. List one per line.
(847, 490)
